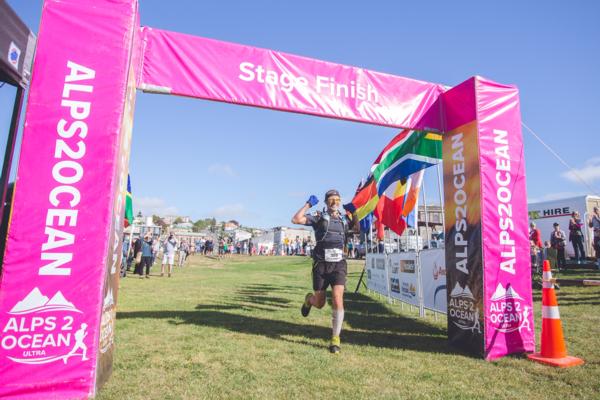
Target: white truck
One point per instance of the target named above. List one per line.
(546, 213)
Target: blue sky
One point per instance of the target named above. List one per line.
(203, 159)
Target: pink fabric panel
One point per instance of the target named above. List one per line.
(185, 65)
(459, 105)
(49, 314)
(507, 266)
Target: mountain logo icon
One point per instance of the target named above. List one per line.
(502, 293)
(459, 291)
(36, 302)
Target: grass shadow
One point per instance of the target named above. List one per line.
(283, 330)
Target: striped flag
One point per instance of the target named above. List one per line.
(128, 204)
(412, 195)
(364, 200)
(390, 206)
(407, 153)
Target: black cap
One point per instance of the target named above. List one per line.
(330, 193)
(555, 224)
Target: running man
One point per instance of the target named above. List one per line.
(329, 265)
(80, 334)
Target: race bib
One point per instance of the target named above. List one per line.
(333, 255)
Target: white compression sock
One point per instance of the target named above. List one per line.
(337, 317)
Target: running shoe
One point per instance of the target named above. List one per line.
(306, 306)
(334, 346)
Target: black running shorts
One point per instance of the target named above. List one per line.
(328, 273)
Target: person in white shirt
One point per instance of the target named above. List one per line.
(169, 255)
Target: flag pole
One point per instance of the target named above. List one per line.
(425, 209)
(441, 194)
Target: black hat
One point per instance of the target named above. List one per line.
(330, 193)
(555, 224)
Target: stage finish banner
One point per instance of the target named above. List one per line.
(59, 280)
(487, 246)
(180, 64)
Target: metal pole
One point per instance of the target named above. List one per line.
(370, 241)
(441, 193)
(420, 286)
(426, 214)
(387, 275)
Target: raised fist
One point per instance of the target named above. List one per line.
(312, 200)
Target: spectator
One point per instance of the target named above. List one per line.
(155, 248)
(558, 241)
(535, 236)
(137, 254)
(124, 259)
(146, 256)
(169, 255)
(535, 239)
(594, 223)
(183, 249)
(576, 236)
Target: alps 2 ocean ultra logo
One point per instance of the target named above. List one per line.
(507, 312)
(462, 309)
(42, 330)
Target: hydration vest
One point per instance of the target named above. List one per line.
(330, 233)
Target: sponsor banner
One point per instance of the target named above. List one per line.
(403, 277)
(462, 212)
(488, 270)
(433, 279)
(114, 258)
(185, 65)
(376, 273)
(507, 264)
(58, 251)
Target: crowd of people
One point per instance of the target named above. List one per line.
(554, 249)
(173, 251)
(145, 251)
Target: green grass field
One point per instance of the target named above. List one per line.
(232, 330)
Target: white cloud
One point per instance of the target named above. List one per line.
(153, 205)
(222, 170)
(589, 172)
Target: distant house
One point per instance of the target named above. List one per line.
(183, 227)
(231, 226)
(170, 219)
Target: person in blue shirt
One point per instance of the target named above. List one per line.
(146, 256)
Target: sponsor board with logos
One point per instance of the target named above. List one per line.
(403, 272)
(405, 278)
(376, 273)
(433, 279)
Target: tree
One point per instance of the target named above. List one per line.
(178, 220)
(156, 220)
(202, 224)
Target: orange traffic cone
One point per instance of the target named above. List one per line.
(554, 351)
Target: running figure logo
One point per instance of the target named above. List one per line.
(79, 345)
